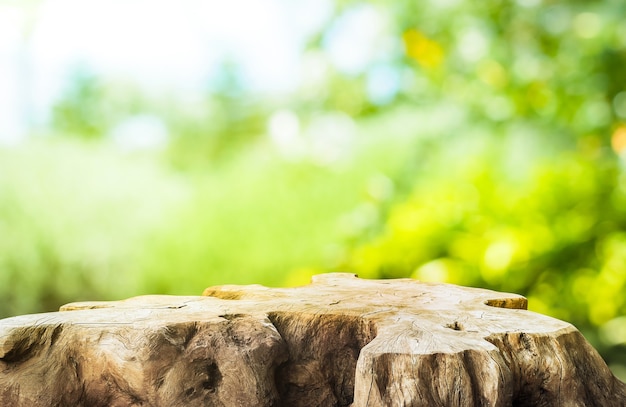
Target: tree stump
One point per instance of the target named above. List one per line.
(341, 341)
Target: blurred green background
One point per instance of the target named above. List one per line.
(476, 143)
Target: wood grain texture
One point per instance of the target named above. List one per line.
(340, 341)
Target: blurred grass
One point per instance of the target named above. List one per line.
(80, 220)
(71, 215)
(258, 205)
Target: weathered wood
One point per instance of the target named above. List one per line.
(341, 341)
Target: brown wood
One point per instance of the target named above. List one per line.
(341, 341)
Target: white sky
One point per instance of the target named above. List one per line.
(158, 43)
(176, 44)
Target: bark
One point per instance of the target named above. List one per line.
(341, 341)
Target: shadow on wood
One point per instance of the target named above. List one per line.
(341, 341)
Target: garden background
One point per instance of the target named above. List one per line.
(163, 147)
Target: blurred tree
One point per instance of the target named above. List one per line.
(534, 203)
(80, 112)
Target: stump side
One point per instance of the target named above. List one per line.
(340, 341)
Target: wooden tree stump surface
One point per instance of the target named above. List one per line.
(340, 341)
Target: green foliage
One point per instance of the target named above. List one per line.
(554, 233)
(483, 144)
(71, 218)
(91, 106)
(82, 221)
(523, 193)
(213, 132)
(80, 112)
